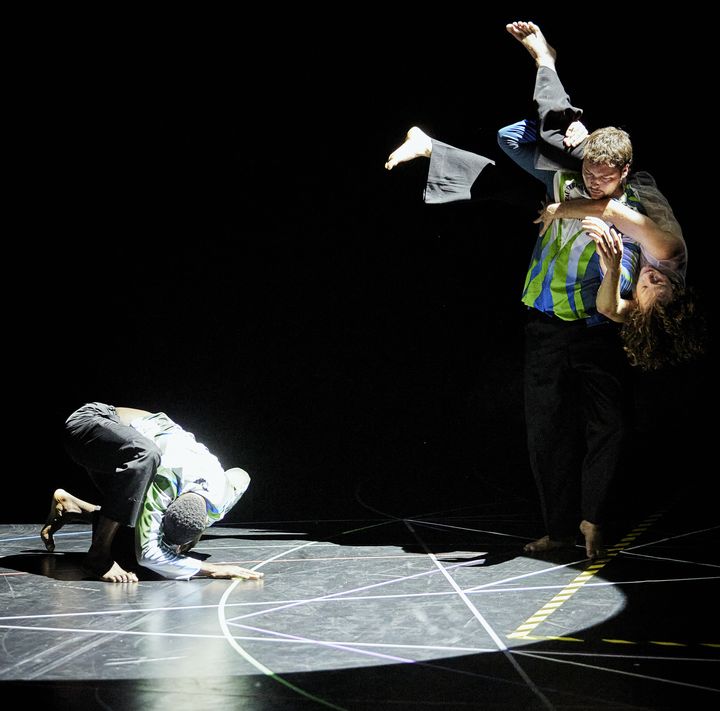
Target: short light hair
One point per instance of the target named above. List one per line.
(609, 146)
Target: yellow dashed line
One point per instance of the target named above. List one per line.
(523, 631)
(551, 638)
(535, 638)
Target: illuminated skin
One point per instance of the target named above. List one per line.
(603, 181)
(652, 286)
(66, 508)
(530, 37)
(416, 144)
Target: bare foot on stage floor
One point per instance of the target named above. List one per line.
(108, 570)
(529, 35)
(415, 145)
(594, 546)
(547, 544)
(64, 508)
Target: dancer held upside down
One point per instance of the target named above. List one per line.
(581, 280)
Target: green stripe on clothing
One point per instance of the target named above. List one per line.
(585, 258)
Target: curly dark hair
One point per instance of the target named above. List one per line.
(665, 334)
(184, 519)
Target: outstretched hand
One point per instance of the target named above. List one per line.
(546, 215)
(229, 570)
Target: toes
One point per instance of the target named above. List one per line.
(109, 572)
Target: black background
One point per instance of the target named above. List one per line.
(206, 228)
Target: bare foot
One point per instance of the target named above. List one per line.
(108, 571)
(416, 144)
(64, 508)
(546, 544)
(594, 546)
(529, 35)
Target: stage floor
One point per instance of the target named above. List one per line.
(440, 610)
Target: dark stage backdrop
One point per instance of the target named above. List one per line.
(208, 230)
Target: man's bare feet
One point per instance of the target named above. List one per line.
(108, 571)
(546, 544)
(64, 508)
(594, 546)
(415, 145)
(529, 35)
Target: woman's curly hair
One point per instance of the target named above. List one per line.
(665, 334)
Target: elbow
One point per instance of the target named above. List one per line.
(672, 248)
(508, 137)
(605, 311)
(610, 311)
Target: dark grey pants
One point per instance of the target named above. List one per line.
(119, 460)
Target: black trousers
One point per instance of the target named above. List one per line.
(119, 460)
(576, 416)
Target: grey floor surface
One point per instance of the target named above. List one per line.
(439, 611)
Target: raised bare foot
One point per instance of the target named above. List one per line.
(529, 35)
(546, 544)
(594, 546)
(108, 571)
(415, 145)
(64, 508)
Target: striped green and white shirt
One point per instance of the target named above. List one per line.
(564, 273)
(186, 465)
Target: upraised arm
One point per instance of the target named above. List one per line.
(609, 246)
